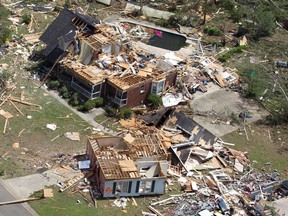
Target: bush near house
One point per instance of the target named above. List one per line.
(138, 111)
(110, 111)
(64, 92)
(125, 113)
(88, 105)
(99, 102)
(154, 100)
(53, 84)
(74, 101)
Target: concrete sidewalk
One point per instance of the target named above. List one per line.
(23, 187)
(20, 209)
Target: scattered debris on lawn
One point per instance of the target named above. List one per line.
(73, 136)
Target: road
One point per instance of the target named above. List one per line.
(13, 209)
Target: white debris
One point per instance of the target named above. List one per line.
(51, 126)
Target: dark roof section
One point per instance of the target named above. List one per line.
(157, 119)
(60, 26)
(87, 19)
(55, 54)
(69, 37)
(187, 125)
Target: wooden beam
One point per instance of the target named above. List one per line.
(5, 125)
(23, 102)
(19, 201)
(50, 71)
(154, 210)
(16, 108)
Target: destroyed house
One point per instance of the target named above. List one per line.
(98, 60)
(108, 69)
(132, 90)
(128, 166)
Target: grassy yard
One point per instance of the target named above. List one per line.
(36, 148)
(65, 204)
(262, 149)
(108, 122)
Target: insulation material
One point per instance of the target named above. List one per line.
(132, 7)
(172, 99)
(106, 2)
(151, 12)
(86, 54)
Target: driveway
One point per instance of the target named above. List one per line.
(281, 206)
(13, 209)
(23, 187)
(223, 102)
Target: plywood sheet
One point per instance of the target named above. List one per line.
(129, 138)
(127, 166)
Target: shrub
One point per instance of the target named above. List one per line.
(236, 15)
(227, 55)
(99, 102)
(53, 84)
(110, 111)
(125, 113)
(212, 30)
(227, 5)
(63, 90)
(74, 99)
(88, 105)
(5, 34)
(265, 25)
(26, 18)
(138, 111)
(154, 100)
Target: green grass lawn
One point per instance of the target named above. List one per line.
(63, 204)
(259, 147)
(108, 122)
(33, 136)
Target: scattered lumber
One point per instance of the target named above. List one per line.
(19, 201)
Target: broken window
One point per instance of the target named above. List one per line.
(146, 186)
(122, 187)
(142, 89)
(121, 97)
(96, 91)
(158, 87)
(82, 88)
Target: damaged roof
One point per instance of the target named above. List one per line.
(127, 81)
(66, 23)
(197, 133)
(117, 155)
(60, 26)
